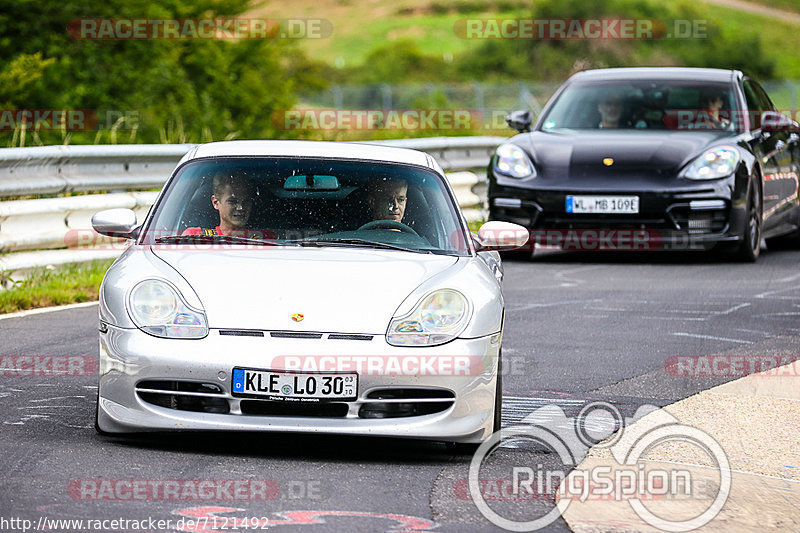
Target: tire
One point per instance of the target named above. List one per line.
(790, 241)
(498, 395)
(750, 246)
(463, 448)
(97, 416)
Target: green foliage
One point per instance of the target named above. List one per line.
(190, 90)
(556, 59)
(49, 286)
(397, 62)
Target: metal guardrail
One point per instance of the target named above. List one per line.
(39, 232)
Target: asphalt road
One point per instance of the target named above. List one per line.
(580, 327)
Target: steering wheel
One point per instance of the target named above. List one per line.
(388, 224)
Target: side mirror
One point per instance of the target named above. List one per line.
(520, 120)
(772, 121)
(497, 235)
(115, 223)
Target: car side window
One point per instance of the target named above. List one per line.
(757, 102)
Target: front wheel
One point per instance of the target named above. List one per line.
(750, 244)
(790, 241)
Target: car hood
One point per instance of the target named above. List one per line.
(336, 290)
(640, 154)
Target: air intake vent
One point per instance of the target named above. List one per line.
(241, 333)
(322, 410)
(343, 337)
(294, 335)
(183, 396)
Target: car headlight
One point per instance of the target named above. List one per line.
(157, 308)
(512, 161)
(438, 318)
(715, 163)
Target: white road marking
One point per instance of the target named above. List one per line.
(681, 334)
(46, 310)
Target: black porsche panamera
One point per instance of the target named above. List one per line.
(652, 158)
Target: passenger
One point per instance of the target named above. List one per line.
(233, 198)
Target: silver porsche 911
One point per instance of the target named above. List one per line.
(306, 287)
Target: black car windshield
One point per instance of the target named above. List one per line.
(659, 105)
(308, 202)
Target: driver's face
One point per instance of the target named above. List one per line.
(388, 201)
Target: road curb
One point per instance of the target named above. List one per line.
(756, 421)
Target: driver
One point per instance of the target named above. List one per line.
(232, 197)
(387, 198)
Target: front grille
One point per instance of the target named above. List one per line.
(241, 333)
(698, 222)
(338, 336)
(294, 335)
(401, 402)
(184, 396)
(270, 408)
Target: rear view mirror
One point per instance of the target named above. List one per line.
(115, 223)
(520, 120)
(497, 235)
(316, 182)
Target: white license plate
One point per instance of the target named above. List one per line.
(278, 385)
(603, 204)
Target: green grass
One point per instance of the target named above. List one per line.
(786, 5)
(360, 27)
(45, 287)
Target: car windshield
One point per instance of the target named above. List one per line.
(660, 105)
(308, 202)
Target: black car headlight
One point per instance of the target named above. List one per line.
(713, 164)
(511, 160)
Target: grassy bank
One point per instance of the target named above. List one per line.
(48, 287)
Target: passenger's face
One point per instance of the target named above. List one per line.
(714, 103)
(610, 110)
(388, 201)
(234, 204)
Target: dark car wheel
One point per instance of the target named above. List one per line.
(498, 394)
(785, 242)
(96, 417)
(750, 244)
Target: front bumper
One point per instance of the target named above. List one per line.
(686, 218)
(131, 361)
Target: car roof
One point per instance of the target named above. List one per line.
(657, 73)
(316, 149)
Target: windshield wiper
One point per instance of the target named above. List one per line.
(219, 239)
(356, 242)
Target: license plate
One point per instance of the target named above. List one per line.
(603, 204)
(279, 385)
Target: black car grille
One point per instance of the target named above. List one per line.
(210, 398)
(184, 396)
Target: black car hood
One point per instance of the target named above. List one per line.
(652, 154)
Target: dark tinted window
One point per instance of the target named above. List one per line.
(286, 199)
